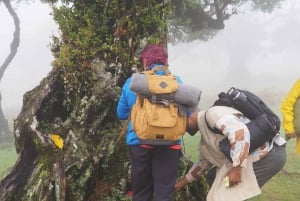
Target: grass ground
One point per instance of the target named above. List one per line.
(285, 185)
(282, 187)
(8, 157)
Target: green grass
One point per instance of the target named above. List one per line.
(285, 185)
(8, 157)
(282, 187)
(190, 145)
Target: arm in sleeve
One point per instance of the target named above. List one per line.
(179, 80)
(198, 169)
(194, 173)
(239, 138)
(125, 102)
(287, 108)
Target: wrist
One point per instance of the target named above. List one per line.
(189, 177)
(237, 167)
(239, 163)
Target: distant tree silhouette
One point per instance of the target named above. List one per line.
(5, 133)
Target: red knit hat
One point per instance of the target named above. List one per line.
(154, 54)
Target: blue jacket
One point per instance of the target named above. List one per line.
(126, 101)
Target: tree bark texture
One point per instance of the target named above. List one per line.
(91, 165)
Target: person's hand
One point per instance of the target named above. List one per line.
(180, 184)
(290, 135)
(234, 176)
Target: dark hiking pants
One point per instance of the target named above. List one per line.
(270, 165)
(154, 173)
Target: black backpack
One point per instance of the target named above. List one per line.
(264, 124)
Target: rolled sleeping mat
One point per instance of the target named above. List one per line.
(139, 84)
(186, 95)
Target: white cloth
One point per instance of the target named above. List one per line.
(246, 189)
(210, 151)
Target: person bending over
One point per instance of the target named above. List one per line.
(239, 176)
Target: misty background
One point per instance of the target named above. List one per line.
(256, 51)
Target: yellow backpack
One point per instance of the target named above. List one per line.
(158, 121)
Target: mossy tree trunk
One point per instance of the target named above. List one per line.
(77, 102)
(66, 133)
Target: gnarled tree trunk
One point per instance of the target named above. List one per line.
(90, 154)
(92, 164)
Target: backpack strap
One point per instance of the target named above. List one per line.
(158, 68)
(224, 110)
(223, 144)
(214, 129)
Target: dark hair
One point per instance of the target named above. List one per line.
(154, 54)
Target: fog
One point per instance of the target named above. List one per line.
(33, 59)
(255, 51)
(264, 47)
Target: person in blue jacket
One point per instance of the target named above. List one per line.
(154, 168)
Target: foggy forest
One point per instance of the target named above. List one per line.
(48, 83)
